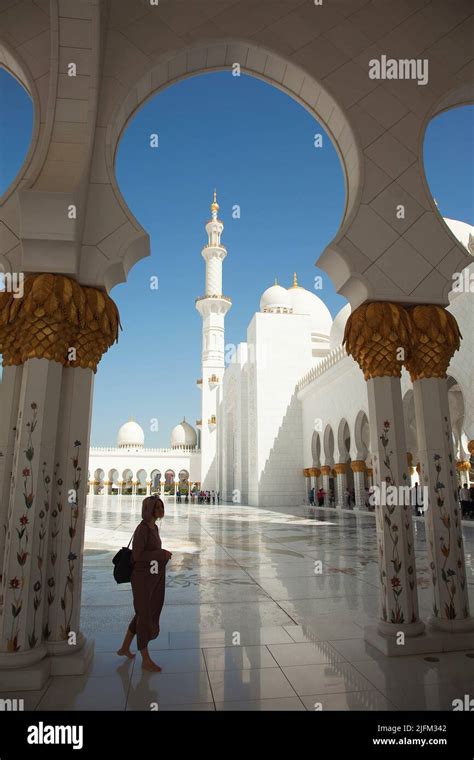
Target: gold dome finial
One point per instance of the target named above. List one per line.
(214, 204)
(295, 281)
(276, 281)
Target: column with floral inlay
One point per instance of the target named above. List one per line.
(377, 336)
(56, 326)
(435, 338)
(9, 401)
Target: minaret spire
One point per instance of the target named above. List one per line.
(213, 306)
(214, 207)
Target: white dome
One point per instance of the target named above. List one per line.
(275, 299)
(183, 435)
(336, 335)
(130, 436)
(461, 230)
(305, 302)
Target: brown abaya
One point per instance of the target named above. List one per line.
(148, 587)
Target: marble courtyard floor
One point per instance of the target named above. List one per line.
(247, 623)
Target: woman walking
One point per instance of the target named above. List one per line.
(148, 582)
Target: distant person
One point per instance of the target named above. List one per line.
(371, 506)
(366, 497)
(213, 496)
(148, 587)
(218, 497)
(321, 496)
(465, 499)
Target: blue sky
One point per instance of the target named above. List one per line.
(255, 145)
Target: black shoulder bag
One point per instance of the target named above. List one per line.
(123, 564)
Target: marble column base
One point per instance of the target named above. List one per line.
(33, 677)
(24, 671)
(426, 643)
(75, 663)
(451, 626)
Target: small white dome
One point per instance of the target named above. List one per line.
(461, 230)
(183, 435)
(305, 302)
(336, 335)
(130, 436)
(275, 299)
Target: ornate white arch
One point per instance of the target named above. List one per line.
(256, 61)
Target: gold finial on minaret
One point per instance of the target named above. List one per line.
(276, 281)
(214, 204)
(295, 281)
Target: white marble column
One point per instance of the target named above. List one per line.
(148, 487)
(395, 538)
(442, 518)
(370, 476)
(325, 473)
(25, 557)
(358, 468)
(10, 387)
(307, 484)
(341, 484)
(463, 468)
(67, 523)
(377, 335)
(434, 339)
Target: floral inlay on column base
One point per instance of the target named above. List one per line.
(67, 599)
(17, 584)
(396, 614)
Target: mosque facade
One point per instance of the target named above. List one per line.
(290, 411)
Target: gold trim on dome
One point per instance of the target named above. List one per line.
(295, 282)
(57, 314)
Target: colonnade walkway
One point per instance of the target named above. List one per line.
(264, 610)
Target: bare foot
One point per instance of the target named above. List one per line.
(151, 666)
(125, 653)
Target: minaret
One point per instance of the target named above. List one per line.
(213, 307)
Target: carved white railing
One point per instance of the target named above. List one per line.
(329, 361)
(146, 451)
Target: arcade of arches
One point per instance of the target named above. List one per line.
(141, 483)
(396, 278)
